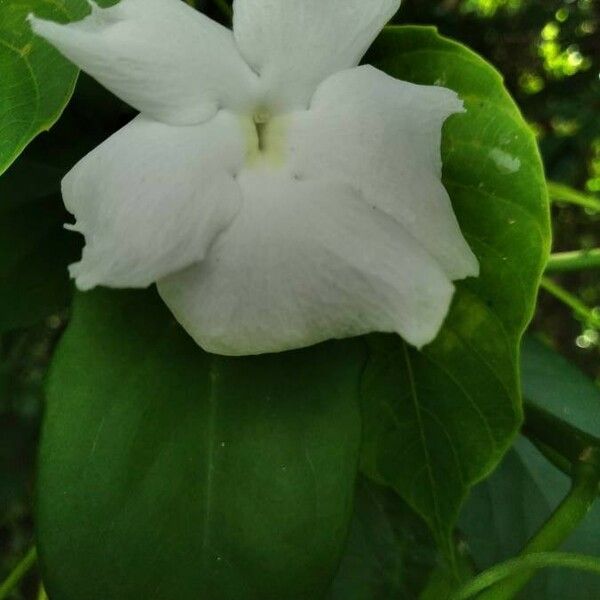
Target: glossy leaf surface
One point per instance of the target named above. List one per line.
(440, 420)
(37, 82)
(166, 472)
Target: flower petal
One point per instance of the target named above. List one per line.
(152, 198)
(383, 136)
(304, 262)
(161, 56)
(296, 44)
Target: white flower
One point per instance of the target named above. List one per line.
(278, 194)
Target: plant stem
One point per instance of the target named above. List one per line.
(11, 582)
(574, 261)
(570, 512)
(573, 444)
(561, 443)
(42, 593)
(552, 455)
(539, 560)
(563, 193)
(579, 308)
(224, 7)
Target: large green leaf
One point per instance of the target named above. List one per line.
(37, 81)
(508, 508)
(166, 472)
(439, 420)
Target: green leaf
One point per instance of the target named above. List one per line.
(166, 472)
(553, 384)
(438, 421)
(504, 512)
(507, 509)
(390, 552)
(37, 82)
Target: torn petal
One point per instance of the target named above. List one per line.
(152, 198)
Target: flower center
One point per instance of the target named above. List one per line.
(265, 139)
(261, 122)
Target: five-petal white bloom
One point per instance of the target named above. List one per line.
(277, 193)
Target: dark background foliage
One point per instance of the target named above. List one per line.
(549, 53)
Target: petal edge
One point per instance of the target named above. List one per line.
(383, 136)
(296, 44)
(302, 263)
(151, 199)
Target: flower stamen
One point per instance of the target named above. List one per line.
(261, 120)
(265, 135)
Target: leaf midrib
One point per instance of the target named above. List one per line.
(210, 459)
(417, 409)
(37, 123)
(37, 97)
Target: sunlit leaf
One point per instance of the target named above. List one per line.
(36, 81)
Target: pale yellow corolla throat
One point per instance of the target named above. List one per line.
(265, 136)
